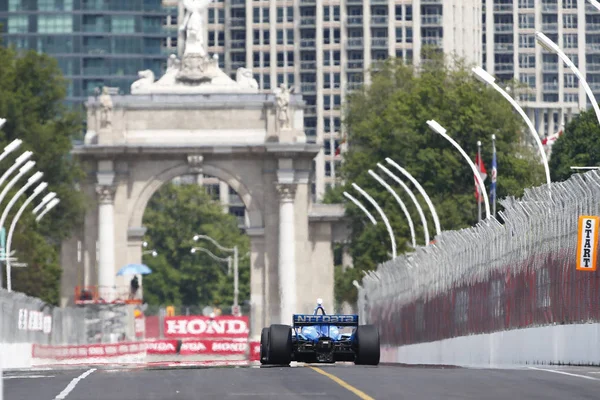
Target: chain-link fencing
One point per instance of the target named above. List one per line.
(494, 276)
(25, 319)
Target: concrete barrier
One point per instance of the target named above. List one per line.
(15, 355)
(558, 344)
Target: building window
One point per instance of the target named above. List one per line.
(570, 21)
(570, 81)
(55, 24)
(18, 24)
(123, 24)
(526, 41)
(528, 79)
(570, 41)
(571, 98)
(527, 60)
(526, 21)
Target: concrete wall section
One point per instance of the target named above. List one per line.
(560, 344)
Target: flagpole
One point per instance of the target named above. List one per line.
(479, 171)
(494, 175)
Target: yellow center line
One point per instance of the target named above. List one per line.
(362, 395)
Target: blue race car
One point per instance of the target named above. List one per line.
(320, 339)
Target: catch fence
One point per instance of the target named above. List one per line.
(25, 319)
(494, 276)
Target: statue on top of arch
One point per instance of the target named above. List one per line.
(194, 71)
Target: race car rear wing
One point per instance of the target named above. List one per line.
(334, 320)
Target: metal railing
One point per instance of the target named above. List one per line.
(493, 276)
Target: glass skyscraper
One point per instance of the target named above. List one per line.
(96, 42)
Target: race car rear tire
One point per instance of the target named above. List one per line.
(264, 346)
(367, 345)
(280, 345)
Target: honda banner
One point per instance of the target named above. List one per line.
(213, 347)
(199, 327)
(161, 347)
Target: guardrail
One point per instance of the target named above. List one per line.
(494, 276)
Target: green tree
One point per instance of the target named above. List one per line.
(174, 215)
(578, 146)
(388, 119)
(32, 94)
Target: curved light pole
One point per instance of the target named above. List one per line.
(22, 171)
(39, 189)
(485, 77)
(32, 179)
(382, 214)
(227, 260)
(401, 204)
(18, 162)
(234, 249)
(359, 205)
(44, 201)
(549, 45)
(49, 207)
(12, 146)
(442, 131)
(422, 191)
(412, 197)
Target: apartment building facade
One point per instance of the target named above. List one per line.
(96, 42)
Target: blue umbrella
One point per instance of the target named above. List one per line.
(134, 269)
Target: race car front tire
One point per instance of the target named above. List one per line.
(280, 345)
(367, 345)
(264, 346)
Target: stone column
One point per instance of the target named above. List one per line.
(106, 235)
(258, 281)
(287, 253)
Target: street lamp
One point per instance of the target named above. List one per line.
(359, 205)
(383, 216)
(234, 249)
(442, 131)
(421, 190)
(22, 171)
(32, 179)
(12, 146)
(412, 197)
(227, 260)
(49, 207)
(483, 76)
(402, 206)
(549, 45)
(153, 252)
(39, 189)
(18, 162)
(44, 201)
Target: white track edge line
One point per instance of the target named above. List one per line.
(62, 395)
(565, 373)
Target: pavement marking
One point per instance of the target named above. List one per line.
(278, 394)
(27, 376)
(62, 395)
(566, 373)
(344, 384)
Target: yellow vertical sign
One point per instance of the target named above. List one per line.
(587, 243)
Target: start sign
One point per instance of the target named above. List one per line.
(587, 243)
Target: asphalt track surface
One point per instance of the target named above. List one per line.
(302, 382)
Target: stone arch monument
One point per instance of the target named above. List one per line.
(196, 119)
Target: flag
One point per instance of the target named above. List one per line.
(494, 176)
(482, 173)
(338, 149)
